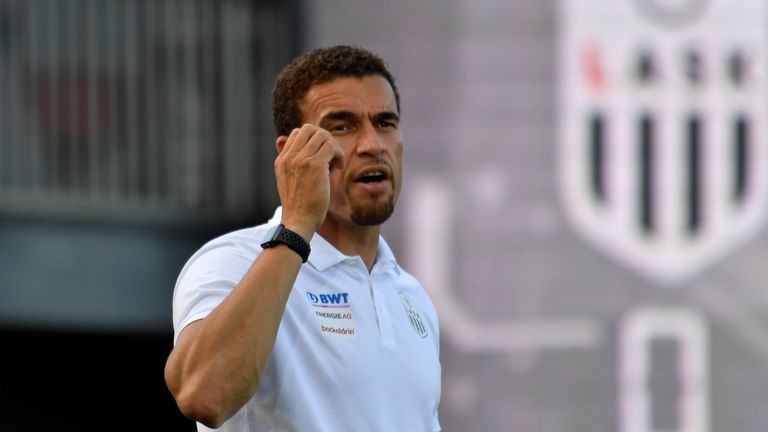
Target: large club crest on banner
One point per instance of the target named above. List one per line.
(662, 142)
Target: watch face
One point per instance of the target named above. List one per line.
(272, 234)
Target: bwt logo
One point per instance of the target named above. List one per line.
(329, 300)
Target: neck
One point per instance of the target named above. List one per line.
(351, 239)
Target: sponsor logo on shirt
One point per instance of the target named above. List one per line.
(332, 300)
(413, 315)
(333, 322)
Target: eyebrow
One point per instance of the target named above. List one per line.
(387, 115)
(349, 115)
(338, 115)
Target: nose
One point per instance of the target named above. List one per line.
(370, 141)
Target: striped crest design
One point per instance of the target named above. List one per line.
(413, 315)
(663, 147)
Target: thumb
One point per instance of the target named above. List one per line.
(337, 158)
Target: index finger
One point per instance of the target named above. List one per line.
(301, 137)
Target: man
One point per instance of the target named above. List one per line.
(347, 341)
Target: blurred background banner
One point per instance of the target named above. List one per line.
(131, 131)
(585, 197)
(140, 114)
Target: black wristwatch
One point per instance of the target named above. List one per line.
(282, 235)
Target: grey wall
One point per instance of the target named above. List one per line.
(534, 318)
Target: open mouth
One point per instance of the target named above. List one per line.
(372, 177)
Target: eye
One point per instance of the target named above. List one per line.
(340, 128)
(386, 124)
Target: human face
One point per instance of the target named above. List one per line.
(361, 114)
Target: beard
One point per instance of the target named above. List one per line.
(372, 213)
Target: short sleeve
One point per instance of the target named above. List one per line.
(206, 280)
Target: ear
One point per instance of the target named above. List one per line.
(280, 143)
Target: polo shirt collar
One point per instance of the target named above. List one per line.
(325, 255)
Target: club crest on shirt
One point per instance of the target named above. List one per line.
(413, 315)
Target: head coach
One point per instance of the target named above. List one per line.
(307, 322)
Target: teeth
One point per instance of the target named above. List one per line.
(371, 177)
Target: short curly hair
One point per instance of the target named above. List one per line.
(317, 67)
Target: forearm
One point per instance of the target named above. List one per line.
(218, 362)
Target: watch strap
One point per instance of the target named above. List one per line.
(283, 235)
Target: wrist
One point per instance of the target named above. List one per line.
(305, 230)
(281, 235)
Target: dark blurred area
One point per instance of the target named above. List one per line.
(92, 381)
(131, 131)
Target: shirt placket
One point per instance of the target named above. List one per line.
(381, 308)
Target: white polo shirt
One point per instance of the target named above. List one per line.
(356, 351)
